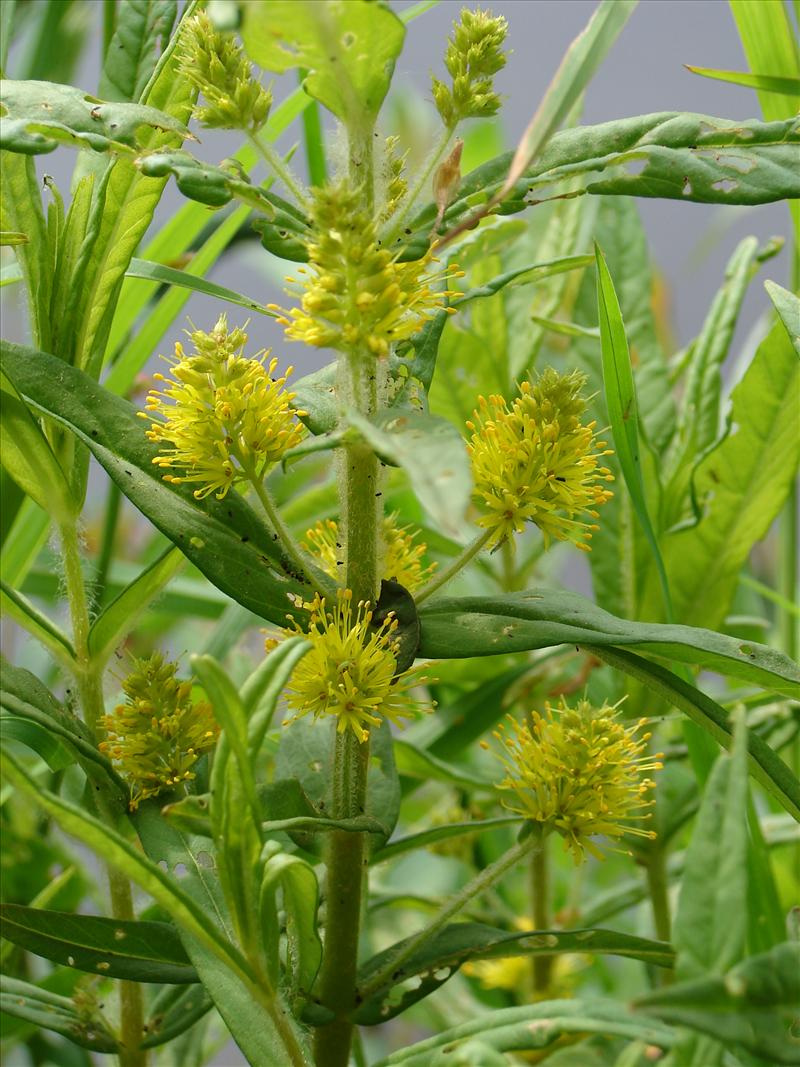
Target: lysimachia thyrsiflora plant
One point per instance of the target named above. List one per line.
(440, 785)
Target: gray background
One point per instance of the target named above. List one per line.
(643, 73)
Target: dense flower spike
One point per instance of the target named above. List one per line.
(226, 417)
(403, 559)
(158, 734)
(235, 100)
(355, 294)
(535, 461)
(349, 672)
(474, 55)
(579, 771)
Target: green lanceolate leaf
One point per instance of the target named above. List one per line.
(173, 1011)
(17, 607)
(21, 209)
(25, 698)
(262, 690)
(752, 1006)
(22, 1000)
(433, 454)
(214, 186)
(158, 272)
(452, 628)
(28, 457)
(137, 951)
(39, 116)
(711, 920)
(348, 49)
(298, 882)
(441, 957)
(765, 765)
(788, 307)
(223, 538)
(766, 82)
(581, 61)
(623, 411)
(740, 486)
(131, 56)
(424, 838)
(118, 619)
(534, 1027)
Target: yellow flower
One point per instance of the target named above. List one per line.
(158, 734)
(474, 55)
(355, 294)
(579, 771)
(402, 561)
(349, 672)
(212, 61)
(535, 461)
(226, 417)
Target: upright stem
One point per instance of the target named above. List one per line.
(346, 852)
(540, 896)
(458, 564)
(479, 884)
(657, 883)
(90, 690)
(281, 169)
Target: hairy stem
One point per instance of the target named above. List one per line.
(413, 193)
(90, 690)
(288, 545)
(346, 853)
(281, 169)
(458, 564)
(479, 884)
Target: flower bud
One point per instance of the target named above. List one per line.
(474, 55)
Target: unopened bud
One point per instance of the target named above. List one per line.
(446, 181)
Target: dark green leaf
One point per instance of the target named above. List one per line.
(752, 1006)
(138, 951)
(214, 186)
(173, 1011)
(441, 957)
(223, 538)
(479, 626)
(38, 116)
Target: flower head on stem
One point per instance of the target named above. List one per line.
(350, 672)
(158, 734)
(474, 55)
(214, 62)
(579, 771)
(355, 294)
(534, 460)
(403, 559)
(226, 417)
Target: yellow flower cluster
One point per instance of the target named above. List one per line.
(579, 771)
(535, 461)
(226, 417)
(158, 734)
(212, 61)
(355, 294)
(402, 562)
(349, 672)
(474, 55)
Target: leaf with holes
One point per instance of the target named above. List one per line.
(137, 951)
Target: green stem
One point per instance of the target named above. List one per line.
(479, 884)
(280, 528)
(346, 856)
(281, 169)
(411, 197)
(107, 540)
(540, 898)
(658, 885)
(458, 564)
(90, 690)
